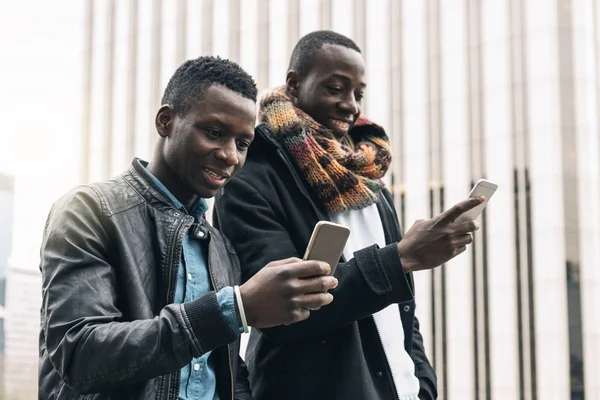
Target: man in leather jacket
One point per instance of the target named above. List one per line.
(139, 291)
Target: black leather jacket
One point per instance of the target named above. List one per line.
(109, 328)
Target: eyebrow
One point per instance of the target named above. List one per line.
(346, 78)
(219, 122)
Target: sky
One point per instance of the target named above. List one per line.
(41, 45)
(41, 64)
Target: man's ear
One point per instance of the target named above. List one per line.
(292, 83)
(163, 120)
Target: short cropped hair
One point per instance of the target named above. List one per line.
(193, 77)
(305, 50)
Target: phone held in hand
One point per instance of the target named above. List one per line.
(482, 187)
(327, 243)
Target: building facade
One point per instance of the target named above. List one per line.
(7, 194)
(502, 89)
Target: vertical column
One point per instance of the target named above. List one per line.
(590, 272)
(221, 33)
(455, 142)
(436, 185)
(263, 44)
(571, 134)
(130, 118)
(395, 133)
(109, 84)
(342, 17)
(169, 19)
(207, 23)
(377, 60)
(325, 15)
(293, 20)
(145, 131)
(195, 28)
(522, 205)
(415, 154)
(155, 68)
(277, 67)
(235, 16)
(585, 356)
(120, 95)
(500, 215)
(96, 155)
(308, 22)
(360, 24)
(182, 32)
(360, 32)
(479, 248)
(546, 174)
(87, 91)
(249, 37)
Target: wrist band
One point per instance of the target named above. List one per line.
(238, 298)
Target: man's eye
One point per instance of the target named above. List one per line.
(335, 89)
(359, 96)
(243, 145)
(214, 133)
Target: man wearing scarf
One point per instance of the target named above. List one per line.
(315, 157)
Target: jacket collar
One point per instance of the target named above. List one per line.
(148, 189)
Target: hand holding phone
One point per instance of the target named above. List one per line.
(327, 243)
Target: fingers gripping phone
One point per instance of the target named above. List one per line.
(482, 187)
(327, 243)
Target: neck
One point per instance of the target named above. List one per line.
(167, 177)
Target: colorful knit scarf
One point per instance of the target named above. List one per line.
(343, 178)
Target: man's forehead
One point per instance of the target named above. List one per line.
(333, 61)
(221, 98)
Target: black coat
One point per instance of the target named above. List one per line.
(268, 213)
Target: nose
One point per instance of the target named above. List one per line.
(349, 104)
(228, 153)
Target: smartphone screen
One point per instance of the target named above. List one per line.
(484, 188)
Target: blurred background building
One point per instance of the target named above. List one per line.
(502, 89)
(6, 226)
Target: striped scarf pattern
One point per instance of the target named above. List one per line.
(343, 176)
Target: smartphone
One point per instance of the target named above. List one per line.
(482, 187)
(327, 243)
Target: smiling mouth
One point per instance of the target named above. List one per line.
(341, 124)
(215, 175)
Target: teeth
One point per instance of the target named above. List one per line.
(212, 174)
(340, 124)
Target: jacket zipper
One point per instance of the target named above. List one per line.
(171, 259)
(387, 360)
(389, 208)
(212, 280)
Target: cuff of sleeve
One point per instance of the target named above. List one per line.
(210, 326)
(401, 288)
(226, 300)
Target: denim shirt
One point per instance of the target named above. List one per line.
(198, 380)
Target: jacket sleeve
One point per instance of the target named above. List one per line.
(242, 385)
(423, 369)
(369, 282)
(87, 341)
